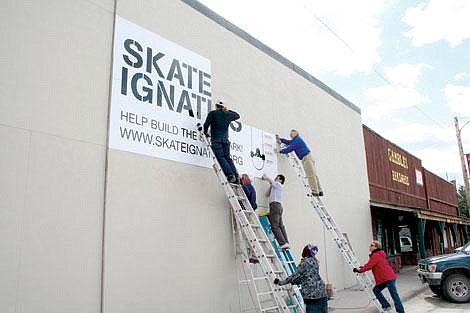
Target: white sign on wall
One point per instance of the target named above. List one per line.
(419, 177)
(160, 91)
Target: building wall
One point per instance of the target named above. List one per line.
(53, 111)
(167, 236)
(268, 95)
(392, 173)
(441, 195)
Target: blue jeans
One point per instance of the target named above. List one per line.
(392, 289)
(320, 307)
(221, 148)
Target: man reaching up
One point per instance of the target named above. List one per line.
(275, 210)
(298, 145)
(219, 121)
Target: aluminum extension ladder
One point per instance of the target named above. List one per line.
(269, 297)
(253, 274)
(285, 256)
(341, 242)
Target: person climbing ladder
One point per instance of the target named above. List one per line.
(298, 145)
(275, 209)
(219, 121)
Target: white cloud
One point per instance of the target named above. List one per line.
(461, 76)
(438, 20)
(420, 133)
(441, 161)
(405, 74)
(458, 99)
(291, 28)
(389, 99)
(401, 93)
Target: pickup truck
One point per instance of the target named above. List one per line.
(448, 275)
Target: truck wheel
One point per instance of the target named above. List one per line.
(456, 288)
(436, 289)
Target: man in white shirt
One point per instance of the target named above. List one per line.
(275, 210)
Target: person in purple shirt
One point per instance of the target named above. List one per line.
(251, 195)
(249, 191)
(297, 145)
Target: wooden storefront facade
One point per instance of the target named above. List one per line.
(414, 212)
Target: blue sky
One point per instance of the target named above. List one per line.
(394, 59)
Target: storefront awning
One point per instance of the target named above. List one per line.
(392, 207)
(434, 216)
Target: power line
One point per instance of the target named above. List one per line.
(379, 74)
(428, 116)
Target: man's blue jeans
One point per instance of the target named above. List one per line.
(392, 289)
(221, 148)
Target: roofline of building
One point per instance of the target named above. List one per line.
(390, 142)
(201, 8)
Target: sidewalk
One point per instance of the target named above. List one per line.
(353, 300)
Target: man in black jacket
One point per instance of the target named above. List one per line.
(219, 121)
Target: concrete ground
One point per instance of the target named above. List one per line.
(427, 302)
(410, 288)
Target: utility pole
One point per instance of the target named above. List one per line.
(458, 130)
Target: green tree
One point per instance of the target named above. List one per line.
(462, 197)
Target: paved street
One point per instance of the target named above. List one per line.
(427, 302)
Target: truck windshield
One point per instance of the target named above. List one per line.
(466, 248)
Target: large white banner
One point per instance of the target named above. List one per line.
(160, 92)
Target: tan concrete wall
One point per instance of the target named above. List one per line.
(55, 62)
(168, 241)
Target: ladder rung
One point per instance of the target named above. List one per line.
(270, 309)
(259, 240)
(249, 211)
(261, 294)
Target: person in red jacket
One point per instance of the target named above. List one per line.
(384, 275)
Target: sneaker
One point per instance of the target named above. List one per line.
(388, 309)
(315, 194)
(285, 246)
(232, 179)
(320, 194)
